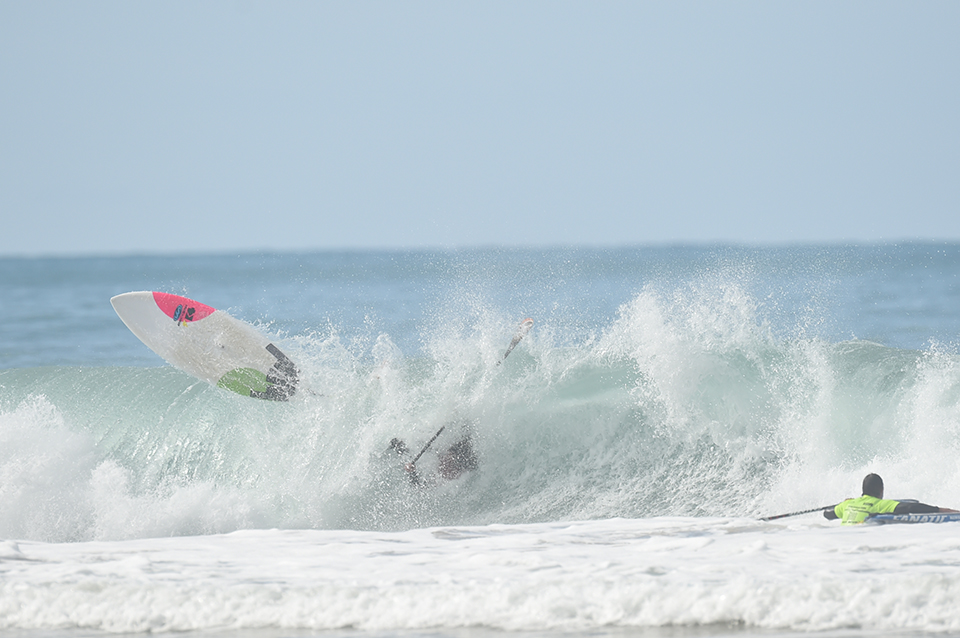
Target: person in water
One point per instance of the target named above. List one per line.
(857, 510)
(457, 459)
(452, 462)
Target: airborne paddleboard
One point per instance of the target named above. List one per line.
(209, 344)
(886, 519)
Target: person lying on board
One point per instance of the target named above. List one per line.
(856, 510)
(452, 462)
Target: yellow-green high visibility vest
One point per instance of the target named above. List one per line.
(856, 510)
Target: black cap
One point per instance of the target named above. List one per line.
(873, 485)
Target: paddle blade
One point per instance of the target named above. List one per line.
(522, 331)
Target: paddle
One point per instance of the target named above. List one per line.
(522, 331)
(816, 509)
(426, 447)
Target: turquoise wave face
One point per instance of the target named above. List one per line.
(685, 404)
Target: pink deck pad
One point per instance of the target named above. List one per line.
(190, 310)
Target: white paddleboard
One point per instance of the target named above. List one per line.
(209, 344)
(886, 519)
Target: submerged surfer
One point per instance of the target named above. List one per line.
(452, 462)
(857, 510)
(459, 457)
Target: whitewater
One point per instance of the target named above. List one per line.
(665, 400)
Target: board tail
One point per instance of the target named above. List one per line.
(278, 384)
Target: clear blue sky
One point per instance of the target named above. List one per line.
(229, 126)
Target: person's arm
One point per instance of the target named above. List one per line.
(413, 474)
(830, 513)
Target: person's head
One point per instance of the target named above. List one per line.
(873, 485)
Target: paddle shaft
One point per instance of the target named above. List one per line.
(427, 446)
(816, 509)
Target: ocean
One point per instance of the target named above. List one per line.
(664, 401)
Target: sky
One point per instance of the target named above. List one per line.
(158, 127)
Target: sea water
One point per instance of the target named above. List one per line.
(665, 400)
